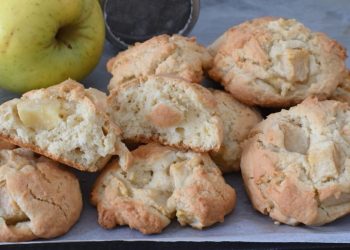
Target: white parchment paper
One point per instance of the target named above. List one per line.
(244, 224)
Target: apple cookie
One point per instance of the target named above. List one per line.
(168, 110)
(276, 62)
(238, 120)
(65, 122)
(162, 183)
(38, 199)
(295, 165)
(342, 92)
(6, 145)
(162, 54)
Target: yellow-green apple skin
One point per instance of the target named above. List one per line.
(43, 42)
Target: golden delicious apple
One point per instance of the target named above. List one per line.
(43, 42)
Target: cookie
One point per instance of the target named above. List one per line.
(162, 183)
(6, 145)
(38, 198)
(238, 119)
(276, 62)
(167, 110)
(164, 54)
(342, 92)
(295, 165)
(65, 122)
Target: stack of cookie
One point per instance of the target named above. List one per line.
(295, 163)
(266, 62)
(68, 124)
(187, 129)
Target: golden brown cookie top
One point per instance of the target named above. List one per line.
(295, 165)
(162, 183)
(277, 62)
(162, 54)
(39, 199)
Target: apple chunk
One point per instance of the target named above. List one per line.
(39, 115)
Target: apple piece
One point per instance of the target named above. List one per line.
(43, 43)
(38, 116)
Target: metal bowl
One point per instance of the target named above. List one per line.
(130, 21)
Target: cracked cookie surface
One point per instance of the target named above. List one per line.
(66, 123)
(342, 92)
(276, 62)
(238, 119)
(296, 163)
(162, 183)
(38, 199)
(164, 54)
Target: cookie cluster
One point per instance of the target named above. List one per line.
(294, 164)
